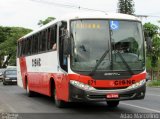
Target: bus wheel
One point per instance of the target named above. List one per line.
(112, 103)
(29, 93)
(58, 103)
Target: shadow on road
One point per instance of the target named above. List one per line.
(47, 103)
(81, 107)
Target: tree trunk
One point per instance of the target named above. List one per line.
(152, 75)
(158, 71)
(0, 61)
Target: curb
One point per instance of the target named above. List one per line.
(153, 86)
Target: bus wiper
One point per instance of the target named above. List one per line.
(99, 62)
(126, 64)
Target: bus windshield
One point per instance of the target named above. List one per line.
(123, 41)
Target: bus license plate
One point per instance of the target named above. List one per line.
(112, 95)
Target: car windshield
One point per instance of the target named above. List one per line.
(11, 72)
(122, 40)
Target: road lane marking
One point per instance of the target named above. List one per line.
(10, 108)
(153, 110)
(153, 95)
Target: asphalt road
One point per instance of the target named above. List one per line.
(13, 99)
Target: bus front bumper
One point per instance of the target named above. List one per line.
(78, 94)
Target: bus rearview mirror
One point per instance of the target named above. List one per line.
(67, 46)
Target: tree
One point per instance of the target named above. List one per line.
(43, 22)
(126, 6)
(8, 42)
(151, 30)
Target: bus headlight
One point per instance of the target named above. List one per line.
(137, 84)
(81, 85)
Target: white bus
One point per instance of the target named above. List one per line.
(84, 57)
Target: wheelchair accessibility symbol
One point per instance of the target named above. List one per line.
(114, 25)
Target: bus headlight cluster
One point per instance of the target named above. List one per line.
(81, 85)
(137, 84)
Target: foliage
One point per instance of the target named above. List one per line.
(8, 42)
(148, 63)
(47, 20)
(126, 6)
(154, 83)
(151, 30)
(155, 54)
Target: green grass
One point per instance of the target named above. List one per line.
(154, 83)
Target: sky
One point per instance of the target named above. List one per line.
(27, 13)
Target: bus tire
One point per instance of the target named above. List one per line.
(29, 93)
(58, 103)
(112, 103)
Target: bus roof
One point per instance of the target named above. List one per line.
(85, 15)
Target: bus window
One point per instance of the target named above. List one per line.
(44, 41)
(29, 46)
(36, 43)
(20, 52)
(19, 49)
(26, 46)
(53, 37)
(48, 38)
(23, 47)
(33, 44)
(40, 42)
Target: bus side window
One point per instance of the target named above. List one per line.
(26, 48)
(36, 43)
(40, 42)
(29, 46)
(19, 48)
(44, 41)
(53, 38)
(33, 45)
(48, 38)
(38, 34)
(23, 47)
